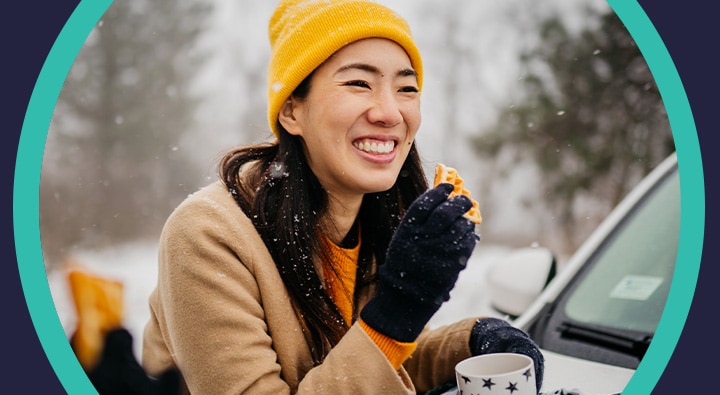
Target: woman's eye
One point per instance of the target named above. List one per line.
(359, 83)
(409, 89)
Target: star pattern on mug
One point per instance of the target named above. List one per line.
(488, 383)
(527, 375)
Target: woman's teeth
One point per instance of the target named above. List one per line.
(375, 147)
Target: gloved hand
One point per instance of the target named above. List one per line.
(492, 335)
(426, 254)
(119, 373)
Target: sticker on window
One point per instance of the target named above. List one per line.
(636, 287)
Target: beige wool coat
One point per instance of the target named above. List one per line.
(221, 314)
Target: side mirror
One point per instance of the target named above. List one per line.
(515, 281)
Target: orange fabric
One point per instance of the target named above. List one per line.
(340, 284)
(99, 307)
(396, 352)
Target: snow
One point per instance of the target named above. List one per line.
(135, 265)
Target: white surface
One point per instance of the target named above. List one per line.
(579, 376)
(586, 377)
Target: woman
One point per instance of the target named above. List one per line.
(315, 263)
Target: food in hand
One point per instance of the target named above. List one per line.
(447, 174)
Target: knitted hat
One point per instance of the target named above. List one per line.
(304, 33)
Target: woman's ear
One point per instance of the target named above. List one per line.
(287, 118)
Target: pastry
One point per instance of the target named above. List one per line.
(447, 174)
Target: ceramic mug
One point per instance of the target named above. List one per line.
(499, 374)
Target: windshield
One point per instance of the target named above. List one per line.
(629, 281)
(610, 311)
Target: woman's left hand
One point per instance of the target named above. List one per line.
(492, 335)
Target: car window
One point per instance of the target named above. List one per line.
(628, 283)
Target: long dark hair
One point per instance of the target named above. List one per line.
(286, 203)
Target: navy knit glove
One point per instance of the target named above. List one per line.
(425, 256)
(492, 335)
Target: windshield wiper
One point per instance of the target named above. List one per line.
(635, 346)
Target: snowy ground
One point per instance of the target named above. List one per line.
(135, 266)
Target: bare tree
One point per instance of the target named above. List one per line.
(115, 164)
(592, 121)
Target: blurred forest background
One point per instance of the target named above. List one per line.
(547, 109)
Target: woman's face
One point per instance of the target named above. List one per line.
(359, 119)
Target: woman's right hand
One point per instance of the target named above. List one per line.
(425, 256)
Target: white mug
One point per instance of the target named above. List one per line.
(498, 374)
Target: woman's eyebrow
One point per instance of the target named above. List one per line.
(405, 72)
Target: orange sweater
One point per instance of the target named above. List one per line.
(340, 284)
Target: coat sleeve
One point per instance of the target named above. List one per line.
(438, 351)
(209, 319)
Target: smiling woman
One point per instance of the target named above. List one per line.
(316, 262)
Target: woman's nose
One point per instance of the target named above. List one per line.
(385, 110)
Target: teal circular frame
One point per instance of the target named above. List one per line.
(692, 196)
(61, 56)
(26, 195)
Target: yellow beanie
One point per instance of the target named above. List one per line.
(304, 33)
